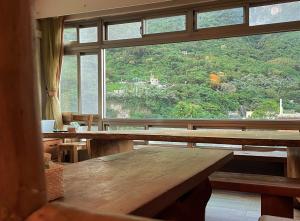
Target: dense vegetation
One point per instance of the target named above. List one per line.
(206, 79)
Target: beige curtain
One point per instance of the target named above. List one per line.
(52, 53)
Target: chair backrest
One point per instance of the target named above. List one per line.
(86, 119)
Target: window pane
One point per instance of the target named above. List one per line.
(269, 14)
(68, 84)
(167, 24)
(220, 18)
(241, 77)
(124, 31)
(89, 84)
(70, 35)
(87, 35)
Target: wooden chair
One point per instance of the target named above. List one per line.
(73, 145)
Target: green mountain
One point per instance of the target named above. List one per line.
(206, 79)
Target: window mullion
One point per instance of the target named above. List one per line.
(190, 21)
(246, 14)
(79, 83)
(101, 88)
(77, 32)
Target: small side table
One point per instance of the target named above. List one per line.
(51, 145)
(73, 149)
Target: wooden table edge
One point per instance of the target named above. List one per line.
(150, 209)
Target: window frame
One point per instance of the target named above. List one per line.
(252, 5)
(79, 74)
(227, 27)
(184, 13)
(72, 43)
(88, 26)
(190, 34)
(80, 108)
(106, 24)
(83, 24)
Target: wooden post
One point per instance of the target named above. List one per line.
(190, 145)
(277, 206)
(22, 182)
(293, 166)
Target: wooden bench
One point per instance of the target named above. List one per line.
(253, 162)
(273, 218)
(277, 193)
(267, 156)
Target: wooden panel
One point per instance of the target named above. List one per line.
(254, 183)
(265, 138)
(221, 124)
(55, 212)
(293, 166)
(225, 124)
(273, 156)
(273, 218)
(277, 206)
(141, 182)
(190, 206)
(101, 148)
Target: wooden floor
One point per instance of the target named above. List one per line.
(235, 206)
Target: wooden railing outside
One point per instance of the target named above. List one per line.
(243, 125)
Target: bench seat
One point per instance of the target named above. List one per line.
(265, 156)
(277, 193)
(273, 218)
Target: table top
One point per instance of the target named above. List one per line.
(50, 139)
(140, 182)
(265, 138)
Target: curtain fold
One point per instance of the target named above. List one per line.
(52, 54)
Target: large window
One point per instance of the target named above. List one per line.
(223, 61)
(89, 84)
(79, 84)
(68, 85)
(243, 77)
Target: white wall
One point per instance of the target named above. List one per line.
(52, 8)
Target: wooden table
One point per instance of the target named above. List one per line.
(109, 142)
(166, 183)
(265, 138)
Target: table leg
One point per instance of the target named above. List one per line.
(277, 206)
(293, 166)
(101, 148)
(59, 154)
(190, 206)
(74, 154)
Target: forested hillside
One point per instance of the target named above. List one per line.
(212, 79)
